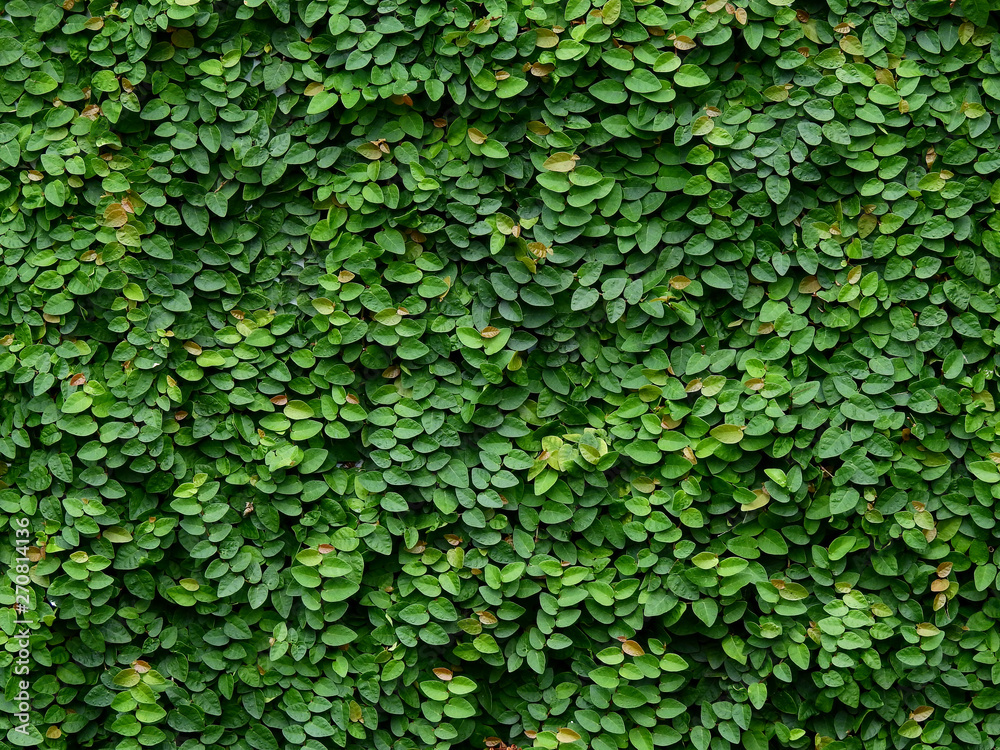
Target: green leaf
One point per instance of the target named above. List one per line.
(511, 87)
(986, 471)
(78, 401)
(690, 76)
(24, 736)
(322, 102)
(260, 737)
(643, 452)
(706, 610)
(298, 410)
(642, 81)
(576, 9)
(977, 11)
(306, 576)
(841, 546)
(673, 663)
(729, 434)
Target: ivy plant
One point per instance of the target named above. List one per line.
(508, 374)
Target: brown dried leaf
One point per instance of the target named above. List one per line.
(490, 332)
(182, 39)
(115, 215)
(761, 498)
(546, 38)
(279, 400)
(921, 713)
(632, 648)
(369, 151)
(325, 549)
(965, 32)
(77, 379)
(566, 735)
(141, 666)
(443, 674)
(939, 584)
(884, 76)
(809, 285)
(944, 569)
(680, 283)
(561, 161)
(539, 250)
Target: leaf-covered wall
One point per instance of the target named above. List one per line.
(533, 372)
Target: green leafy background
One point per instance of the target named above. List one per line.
(439, 374)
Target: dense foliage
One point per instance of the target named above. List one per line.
(527, 372)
